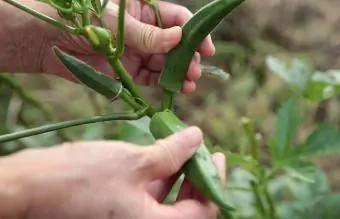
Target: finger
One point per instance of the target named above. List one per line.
(185, 209)
(219, 160)
(188, 87)
(168, 155)
(156, 62)
(194, 71)
(159, 189)
(177, 15)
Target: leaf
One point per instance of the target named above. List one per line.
(94, 131)
(97, 81)
(215, 72)
(172, 196)
(244, 161)
(325, 207)
(65, 6)
(287, 123)
(96, 4)
(323, 85)
(288, 187)
(323, 141)
(296, 73)
(136, 132)
(301, 170)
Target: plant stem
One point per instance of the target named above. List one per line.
(43, 17)
(249, 129)
(72, 123)
(85, 15)
(121, 29)
(157, 14)
(259, 203)
(270, 201)
(168, 100)
(128, 82)
(26, 96)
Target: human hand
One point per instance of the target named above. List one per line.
(103, 179)
(145, 47)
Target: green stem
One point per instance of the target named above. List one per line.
(26, 96)
(168, 100)
(121, 30)
(128, 83)
(157, 14)
(270, 201)
(72, 123)
(43, 17)
(85, 14)
(259, 203)
(249, 129)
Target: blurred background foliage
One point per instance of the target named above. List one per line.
(269, 49)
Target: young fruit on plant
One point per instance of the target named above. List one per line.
(100, 38)
(200, 169)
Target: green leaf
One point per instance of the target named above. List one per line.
(136, 132)
(172, 196)
(97, 81)
(301, 170)
(323, 85)
(287, 123)
(65, 6)
(244, 161)
(96, 4)
(323, 141)
(325, 207)
(94, 131)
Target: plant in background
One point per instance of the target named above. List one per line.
(76, 15)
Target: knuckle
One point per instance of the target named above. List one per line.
(146, 36)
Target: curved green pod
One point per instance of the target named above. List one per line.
(199, 169)
(203, 22)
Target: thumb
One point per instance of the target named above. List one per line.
(142, 36)
(151, 39)
(168, 155)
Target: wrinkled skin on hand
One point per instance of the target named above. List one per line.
(108, 180)
(145, 44)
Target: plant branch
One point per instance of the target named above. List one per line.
(121, 29)
(72, 123)
(43, 17)
(85, 14)
(249, 129)
(157, 14)
(128, 82)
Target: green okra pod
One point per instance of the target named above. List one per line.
(200, 169)
(97, 81)
(203, 22)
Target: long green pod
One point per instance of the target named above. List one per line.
(200, 169)
(203, 22)
(97, 81)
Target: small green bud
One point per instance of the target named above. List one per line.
(64, 6)
(99, 37)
